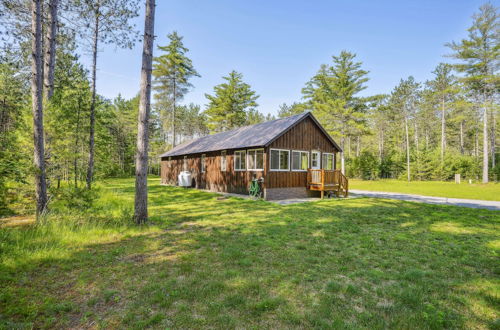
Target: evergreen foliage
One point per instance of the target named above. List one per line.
(426, 130)
(172, 72)
(231, 105)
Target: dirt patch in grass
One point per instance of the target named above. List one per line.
(16, 221)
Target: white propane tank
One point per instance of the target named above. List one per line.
(185, 179)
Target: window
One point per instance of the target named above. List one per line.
(223, 160)
(255, 159)
(203, 166)
(327, 161)
(300, 160)
(315, 160)
(280, 160)
(185, 163)
(240, 160)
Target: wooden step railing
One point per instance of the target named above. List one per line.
(328, 180)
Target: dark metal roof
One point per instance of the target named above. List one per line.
(258, 135)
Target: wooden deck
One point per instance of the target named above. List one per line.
(328, 180)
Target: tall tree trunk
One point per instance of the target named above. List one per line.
(90, 168)
(407, 149)
(417, 150)
(349, 147)
(485, 144)
(443, 134)
(416, 135)
(173, 112)
(476, 144)
(493, 140)
(358, 146)
(462, 137)
(77, 140)
(381, 145)
(50, 50)
(342, 159)
(141, 163)
(37, 107)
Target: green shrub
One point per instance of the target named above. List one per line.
(365, 167)
(75, 198)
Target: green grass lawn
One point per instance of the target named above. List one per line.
(490, 191)
(233, 263)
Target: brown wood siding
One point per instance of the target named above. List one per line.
(304, 136)
(213, 178)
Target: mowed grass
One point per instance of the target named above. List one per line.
(233, 263)
(489, 191)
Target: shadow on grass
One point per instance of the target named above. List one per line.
(205, 262)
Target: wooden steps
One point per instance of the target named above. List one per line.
(328, 180)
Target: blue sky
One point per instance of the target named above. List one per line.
(279, 45)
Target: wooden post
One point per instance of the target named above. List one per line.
(322, 179)
(457, 178)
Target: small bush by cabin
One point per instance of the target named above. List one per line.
(287, 154)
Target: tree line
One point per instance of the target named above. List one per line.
(55, 128)
(420, 130)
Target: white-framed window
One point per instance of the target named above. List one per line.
(315, 160)
(280, 160)
(300, 160)
(203, 164)
(223, 160)
(185, 163)
(240, 160)
(255, 159)
(327, 161)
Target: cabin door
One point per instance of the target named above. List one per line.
(315, 160)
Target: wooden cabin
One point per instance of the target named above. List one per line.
(294, 157)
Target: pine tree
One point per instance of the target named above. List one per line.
(172, 72)
(403, 102)
(103, 21)
(50, 49)
(295, 108)
(443, 89)
(13, 100)
(333, 95)
(192, 121)
(141, 163)
(65, 125)
(231, 103)
(480, 55)
(37, 107)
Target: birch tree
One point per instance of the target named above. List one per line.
(141, 164)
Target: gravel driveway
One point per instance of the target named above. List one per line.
(472, 203)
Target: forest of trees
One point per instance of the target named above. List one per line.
(56, 128)
(421, 130)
